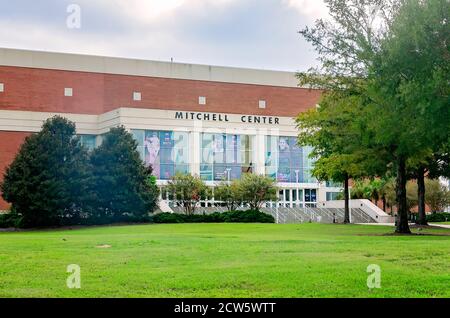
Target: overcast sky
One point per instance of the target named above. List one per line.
(242, 33)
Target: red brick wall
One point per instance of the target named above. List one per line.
(43, 90)
(10, 143)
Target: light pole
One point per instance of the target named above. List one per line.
(276, 202)
(349, 205)
(228, 174)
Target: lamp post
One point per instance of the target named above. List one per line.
(276, 202)
(228, 174)
(349, 205)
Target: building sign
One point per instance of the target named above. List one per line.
(246, 119)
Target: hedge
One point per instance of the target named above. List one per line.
(13, 220)
(438, 217)
(10, 220)
(217, 217)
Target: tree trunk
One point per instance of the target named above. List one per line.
(346, 201)
(402, 208)
(422, 220)
(384, 203)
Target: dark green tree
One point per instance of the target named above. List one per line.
(410, 93)
(46, 182)
(122, 188)
(341, 144)
(395, 56)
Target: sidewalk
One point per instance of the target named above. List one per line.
(445, 226)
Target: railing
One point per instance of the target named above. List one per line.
(298, 215)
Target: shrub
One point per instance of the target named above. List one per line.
(250, 216)
(257, 189)
(187, 191)
(438, 217)
(10, 220)
(217, 217)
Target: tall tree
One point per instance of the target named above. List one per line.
(121, 185)
(394, 55)
(46, 182)
(410, 92)
(336, 131)
(346, 44)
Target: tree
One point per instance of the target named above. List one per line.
(336, 132)
(46, 182)
(411, 195)
(257, 190)
(437, 195)
(121, 185)
(435, 165)
(394, 55)
(187, 191)
(229, 193)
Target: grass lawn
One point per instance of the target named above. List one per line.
(225, 260)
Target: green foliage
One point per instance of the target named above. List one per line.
(250, 216)
(257, 190)
(411, 195)
(437, 196)
(229, 193)
(392, 58)
(10, 220)
(46, 182)
(187, 191)
(54, 181)
(438, 217)
(121, 187)
(217, 217)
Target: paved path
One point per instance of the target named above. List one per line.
(446, 226)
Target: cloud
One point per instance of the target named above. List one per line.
(311, 8)
(241, 33)
(151, 11)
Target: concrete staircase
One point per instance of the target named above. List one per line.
(300, 215)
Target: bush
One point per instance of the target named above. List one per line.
(217, 217)
(438, 217)
(250, 216)
(10, 220)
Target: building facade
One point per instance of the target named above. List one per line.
(215, 122)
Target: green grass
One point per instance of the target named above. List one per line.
(225, 260)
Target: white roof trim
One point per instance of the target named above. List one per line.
(123, 66)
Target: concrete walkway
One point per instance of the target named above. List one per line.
(445, 226)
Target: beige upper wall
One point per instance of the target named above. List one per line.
(123, 66)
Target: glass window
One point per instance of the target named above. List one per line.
(331, 196)
(225, 156)
(166, 151)
(88, 141)
(286, 161)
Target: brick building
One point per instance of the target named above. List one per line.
(215, 122)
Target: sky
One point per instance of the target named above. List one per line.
(242, 33)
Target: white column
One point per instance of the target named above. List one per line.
(194, 152)
(260, 152)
